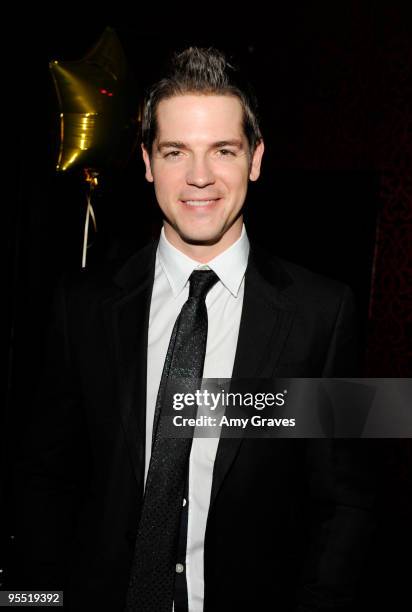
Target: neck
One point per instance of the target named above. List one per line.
(204, 251)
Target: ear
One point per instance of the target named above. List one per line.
(146, 159)
(256, 162)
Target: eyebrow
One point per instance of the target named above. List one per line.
(176, 144)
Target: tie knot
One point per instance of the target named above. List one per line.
(201, 281)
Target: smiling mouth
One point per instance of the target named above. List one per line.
(199, 203)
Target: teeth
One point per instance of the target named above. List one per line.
(198, 202)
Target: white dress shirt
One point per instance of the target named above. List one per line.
(224, 306)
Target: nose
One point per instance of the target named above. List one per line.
(200, 173)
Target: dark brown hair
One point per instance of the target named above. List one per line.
(205, 71)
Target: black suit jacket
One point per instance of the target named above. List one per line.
(289, 518)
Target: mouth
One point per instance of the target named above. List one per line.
(199, 203)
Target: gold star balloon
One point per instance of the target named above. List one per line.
(98, 106)
(99, 114)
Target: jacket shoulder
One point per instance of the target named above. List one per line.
(298, 283)
(107, 279)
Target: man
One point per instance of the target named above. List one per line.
(125, 521)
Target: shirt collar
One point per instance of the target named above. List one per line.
(230, 266)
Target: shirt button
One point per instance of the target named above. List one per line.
(180, 568)
(184, 502)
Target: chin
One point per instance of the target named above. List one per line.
(199, 233)
(205, 238)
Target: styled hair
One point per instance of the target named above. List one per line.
(205, 71)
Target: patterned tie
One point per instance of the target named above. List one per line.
(153, 571)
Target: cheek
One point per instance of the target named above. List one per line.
(237, 189)
(167, 185)
(235, 178)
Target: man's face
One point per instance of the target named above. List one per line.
(200, 166)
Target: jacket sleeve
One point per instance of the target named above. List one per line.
(342, 488)
(48, 467)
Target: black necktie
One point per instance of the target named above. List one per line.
(153, 571)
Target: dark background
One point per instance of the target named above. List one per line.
(335, 194)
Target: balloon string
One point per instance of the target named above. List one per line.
(89, 213)
(90, 208)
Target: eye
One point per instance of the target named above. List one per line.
(173, 154)
(226, 152)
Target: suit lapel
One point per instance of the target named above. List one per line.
(127, 322)
(266, 320)
(264, 327)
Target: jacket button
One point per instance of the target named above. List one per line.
(180, 568)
